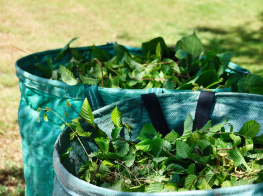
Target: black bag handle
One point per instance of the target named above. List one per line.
(203, 108)
(155, 113)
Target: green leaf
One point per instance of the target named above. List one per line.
(169, 84)
(203, 143)
(175, 178)
(190, 181)
(89, 81)
(207, 77)
(236, 139)
(182, 149)
(151, 47)
(47, 72)
(158, 51)
(207, 126)
(115, 82)
(172, 136)
(237, 157)
(249, 129)
(103, 143)
(232, 81)
(181, 54)
(99, 54)
(75, 54)
(258, 140)
(175, 167)
(188, 127)
(191, 169)
(210, 177)
(67, 76)
(159, 159)
(50, 64)
(109, 155)
(217, 128)
(116, 117)
(157, 146)
(140, 188)
(147, 132)
(65, 155)
(154, 188)
(118, 186)
(205, 159)
(115, 132)
(226, 184)
(225, 59)
(86, 112)
(120, 50)
(252, 83)
(63, 50)
(83, 133)
(145, 145)
(191, 44)
(45, 116)
(124, 149)
(129, 160)
(204, 185)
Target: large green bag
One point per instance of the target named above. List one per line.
(38, 138)
(239, 108)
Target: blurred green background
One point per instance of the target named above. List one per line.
(28, 26)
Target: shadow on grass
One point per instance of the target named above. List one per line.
(12, 182)
(248, 45)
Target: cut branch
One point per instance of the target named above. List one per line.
(102, 82)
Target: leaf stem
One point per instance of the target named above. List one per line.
(80, 72)
(217, 82)
(88, 122)
(166, 149)
(72, 131)
(112, 70)
(102, 82)
(97, 169)
(125, 140)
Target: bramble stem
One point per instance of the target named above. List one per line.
(97, 60)
(97, 169)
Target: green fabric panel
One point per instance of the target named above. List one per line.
(111, 95)
(239, 108)
(213, 90)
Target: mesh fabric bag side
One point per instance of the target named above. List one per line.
(239, 108)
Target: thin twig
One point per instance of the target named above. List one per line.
(72, 131)
(19, 49)
(125, 140)
(80, 73)
(102, 82)
(226, 149)
(113, 70)
(166, 149)
(97, 169)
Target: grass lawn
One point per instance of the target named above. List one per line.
(230, 25)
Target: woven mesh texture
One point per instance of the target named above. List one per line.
(239, 108)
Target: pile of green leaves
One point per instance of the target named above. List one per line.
(183, 67)
(209, 158)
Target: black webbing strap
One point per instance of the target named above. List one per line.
(203, 108)
(155, 113)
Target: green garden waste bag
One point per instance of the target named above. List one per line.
(238, 108)
(37, 92)
(38, 138)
